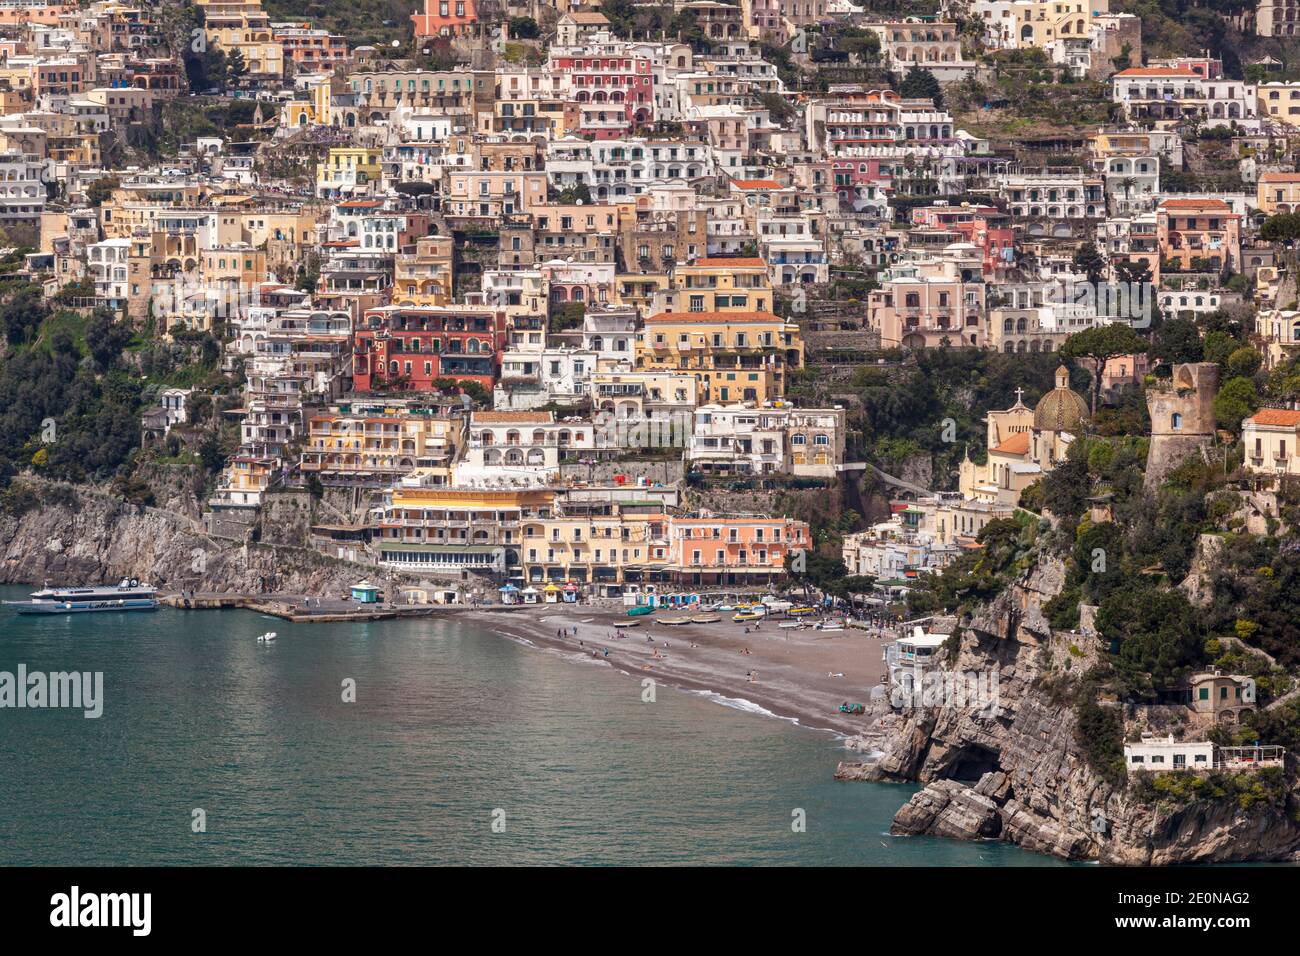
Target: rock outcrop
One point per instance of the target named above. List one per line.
(77, 534)
(1018, 774)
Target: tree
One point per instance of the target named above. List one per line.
(101, 189)
(1244, 362)
(1153, 631)
(236, 68)
(21, 314)
(1177, 341)
(105, 338)
(1100, 344)
(1283, 229)
(1237, 399)
(1090, 262)
(524, 28)
(920, 84)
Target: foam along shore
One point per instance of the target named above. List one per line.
(802, 675)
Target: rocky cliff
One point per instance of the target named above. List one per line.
(65, 534)
(1019, 774)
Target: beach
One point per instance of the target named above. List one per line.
(802, 675)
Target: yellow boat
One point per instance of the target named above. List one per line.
(742, 616)
(796, 611)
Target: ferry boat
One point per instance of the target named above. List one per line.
(128, 595)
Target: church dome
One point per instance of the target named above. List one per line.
(1060, 410)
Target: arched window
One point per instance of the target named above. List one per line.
(1176, 421)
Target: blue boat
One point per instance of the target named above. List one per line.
(129, 595)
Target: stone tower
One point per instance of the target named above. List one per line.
(1182, 418)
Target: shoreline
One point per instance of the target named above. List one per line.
(801, 676)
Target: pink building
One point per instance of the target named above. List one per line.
(936, 303)
(733, 550)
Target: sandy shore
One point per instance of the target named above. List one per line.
(801, 674)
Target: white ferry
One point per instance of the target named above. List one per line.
(129, 595)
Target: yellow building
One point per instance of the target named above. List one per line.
(645, 394)
(450, 530)
(601, 548)
(1278, 192)
(735, 356)
(234, 267)
(348, 170)
(1280, 102)
(386, 445)
(718, 285)
(424, 277)
(231, 25)
(1020, 24)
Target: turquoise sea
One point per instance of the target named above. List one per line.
(454, 729)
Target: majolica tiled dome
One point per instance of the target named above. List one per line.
(1060, 410)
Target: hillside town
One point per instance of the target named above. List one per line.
(895, 307)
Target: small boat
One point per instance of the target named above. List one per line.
(723, 607)
(708, 619)
(639, 610)
(791, 624)
(627, 623)
(674, 621)
(800, 611)
(830, 627)
(847, 708)
(774, 604)
(742, 616)
(266, 638)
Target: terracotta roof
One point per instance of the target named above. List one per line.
(1284, 417)
(737, 262)
(506, 418)
(664, 318)
(1280, 178)
(756, 184)
(1017, 444)
(1196, 204)
(1159, 71)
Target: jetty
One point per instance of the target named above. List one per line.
(301, 609)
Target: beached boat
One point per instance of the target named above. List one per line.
(639, 610)
(674, 621)
(627, 623)
(774, 605)
(801, 611)
(847, 708)
(742, 616)
(710, 619)
(723, 607)
(791, 624)
(830, 627)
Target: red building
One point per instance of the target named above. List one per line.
(399, 348)
(445, 18)
(621, 83)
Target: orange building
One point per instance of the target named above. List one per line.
(1199, 235)
(733, 550)
(445, 18)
